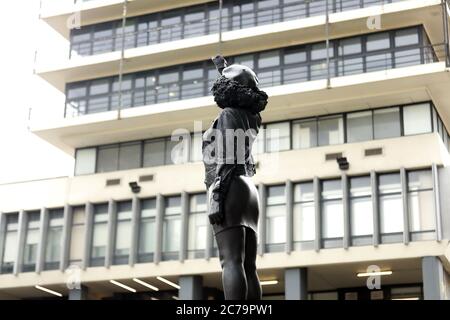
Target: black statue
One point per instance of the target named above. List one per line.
(233, 197)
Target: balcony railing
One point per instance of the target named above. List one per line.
(296, 64)
(201, 20)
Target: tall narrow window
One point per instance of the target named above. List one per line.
(31, 241)
(332, 213)
(277, 136)
(304, 134)
(304, 216)
(147, 230)
(391, 207)
(10, 242)
(123, 233)
(53, 243)
(359, 126)
(197, 226)
(276, 218)
(171, 228)
(77, 235)
(331, 130)
(386, 123)
(361, 213)
(420, 205)
(85, 160)
(99, 234)
(417, 119)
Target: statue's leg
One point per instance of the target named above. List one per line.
(231, 244)
(251, 244)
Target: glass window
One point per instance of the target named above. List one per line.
(154, 151)
(10, 242)
(276, 218)
(359, 126)
(168, 89)
(99, 234)
(85, 161)
(130, 155)
(269, 59)
(417, 119)
(361, 213)
(147, 230)
(294, 56)
(378, 41)
(197, 226)
(332, 209)
(331, 130)
(386, 123)
(246, 60)
(277, 136)
(406, 37)
(108, 158)
(31, 241)
(194, 23)
(350, 46)
(420, 202)
(196, 147)
(77, 235)
(170, 26)
(390, 203)
(123, 233)
(319, 51)
(304, 134)
(100, 86)
(171, 228)
(304, 212)
(103, 38)
(193, 83)
(53, 239)
(177, 151)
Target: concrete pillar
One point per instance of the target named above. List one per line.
(78, 294)
(296, 284)
(433, 279)
(191, 288)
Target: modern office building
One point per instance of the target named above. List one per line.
(357, 83)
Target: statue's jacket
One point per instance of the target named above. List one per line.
(227, 144)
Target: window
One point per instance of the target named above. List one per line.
(192, 83)
(420, 205)
(275, 218)
(331, 130)
(359, 126)
(378, 41)
(130, 155)
(277, 136)
(53, 242)
(304, 215)
(177, 149)
(304, 134)
(171, 228)
(391, 207)
(417, 119)
(108, 158)
(386, 123)
(361, 212)
(99, 235)
(154, 151)
(77, 235)
(197, 228)
(332, 213)
(196, 147)
(31, 241)
(194, 23)
(10, 242)
(147, 232)
(85, 161)
(123, 233)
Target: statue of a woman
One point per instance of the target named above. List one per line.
(233, 197)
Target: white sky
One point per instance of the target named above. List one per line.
(24, 156)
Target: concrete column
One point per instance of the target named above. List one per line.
(289, 215)
(78, 294)
(296, 284)
(21, 232)
(42, 237)
(262, 219)
(184, 226)
(433, 279)
(404, 185)
(112, 215)
(67, 230)
(318, 219)
(159, 227)
(88, 225)
(375, 209)
(135, 213)
(191, 288)
(437, 202)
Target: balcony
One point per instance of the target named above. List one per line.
(145, 52)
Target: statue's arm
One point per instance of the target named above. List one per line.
(225, 166)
